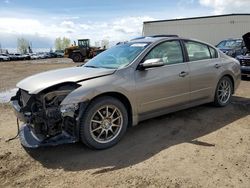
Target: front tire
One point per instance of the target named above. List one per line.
(103, 123)
(223, 92)
(77, 57)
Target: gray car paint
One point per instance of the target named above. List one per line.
(38, 82)
(151, 92)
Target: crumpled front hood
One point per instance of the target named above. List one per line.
(246, 39)
(38, 82)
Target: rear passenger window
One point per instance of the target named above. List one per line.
(170, 52)
(197, 51)
(213, 52)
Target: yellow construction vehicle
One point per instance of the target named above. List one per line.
(82, 51)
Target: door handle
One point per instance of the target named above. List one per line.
(217, 66)
(183, 74)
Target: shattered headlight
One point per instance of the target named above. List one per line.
(69, 109)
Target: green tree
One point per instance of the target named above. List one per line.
(62, 43)
(66, 42)
(22, 45)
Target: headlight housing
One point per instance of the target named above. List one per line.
(242, 62)
(69, 109)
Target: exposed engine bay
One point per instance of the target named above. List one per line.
(51, 103)
(42, 112)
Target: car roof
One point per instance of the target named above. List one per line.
(151, 39)
(161, 37)
(155, 38)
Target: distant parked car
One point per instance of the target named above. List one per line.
(13, 57)
(22, 56)
(26, 56)
(51, 55)
(59, 53)
(245, 58)
(18, 56)
(232, 47)
(33, 56)
(4, 57)
(41, 55)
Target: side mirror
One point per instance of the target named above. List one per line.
(150, 63)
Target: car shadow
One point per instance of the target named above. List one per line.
(145, 140)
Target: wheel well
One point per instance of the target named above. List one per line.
(121, 98)
(232, 80)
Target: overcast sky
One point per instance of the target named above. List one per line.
(116, 20)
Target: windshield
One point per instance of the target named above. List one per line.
(117, 56)
(229, 44)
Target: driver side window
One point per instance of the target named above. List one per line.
(170, 52)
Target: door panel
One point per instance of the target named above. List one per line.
(204, 69)
(203, 78)
(161, 87)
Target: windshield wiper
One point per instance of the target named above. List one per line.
(91, 66)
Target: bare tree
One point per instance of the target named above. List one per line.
(62, 43)
(22, 45)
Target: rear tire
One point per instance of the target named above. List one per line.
(223, 92)
(103, 123)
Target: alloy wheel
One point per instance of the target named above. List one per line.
(106, 124)
(224, 91)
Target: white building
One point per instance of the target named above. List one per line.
(211, 29)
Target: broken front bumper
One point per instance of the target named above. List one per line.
(29, 139)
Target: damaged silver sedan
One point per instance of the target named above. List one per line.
(144, 78)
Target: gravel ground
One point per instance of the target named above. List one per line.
(203, 146)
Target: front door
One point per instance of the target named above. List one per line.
(162, 87)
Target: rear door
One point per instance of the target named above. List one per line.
(205, 67)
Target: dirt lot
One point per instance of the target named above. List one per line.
(199, 147)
